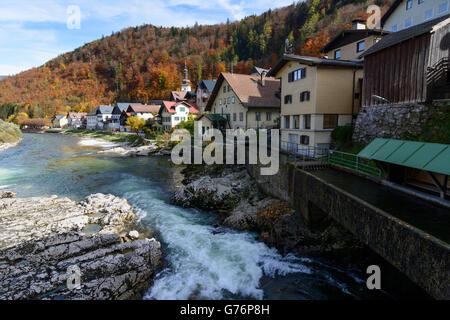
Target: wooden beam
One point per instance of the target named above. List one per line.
(442, 188)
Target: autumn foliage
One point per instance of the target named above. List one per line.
(146, 62)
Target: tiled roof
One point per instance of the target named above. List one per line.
(179, 95)
(171, 105)
(138, 108)
(76, 115)
(59, 117)
(104, 110)
(406, 34)
(249, 90)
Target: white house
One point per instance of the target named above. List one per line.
(75, 120)
(145, 112)
(172, 113)
(99, 118)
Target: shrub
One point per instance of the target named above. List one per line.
(343, 135)
(9, 132)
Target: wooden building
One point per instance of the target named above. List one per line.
(409, 66)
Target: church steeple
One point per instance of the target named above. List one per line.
(186, 86)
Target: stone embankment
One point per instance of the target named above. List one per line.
(47, 242)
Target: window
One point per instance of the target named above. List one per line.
(241, 116)
(408, 22)
(409, 4)
(428, 14)
(229, 88)
(307, 121)
(287, 120)
(228, 117)
(258, 116)
(234, 116)
(419, 1)
(305, 96)
(360, 46)
(182, 109)
(337, 54)
(330, 121)
(220, 101)
(269, 116)
(233, 100)
(443, 7)
(296, 122)
(304, 140)
(177, 118)
(288, 99)
(395, 28)
(229, 100)
(297, 75)
(224, 89)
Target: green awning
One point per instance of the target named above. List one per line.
(431, 157)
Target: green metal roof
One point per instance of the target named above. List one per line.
(214, 117)
(432, 157)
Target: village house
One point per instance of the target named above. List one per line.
(144, 112)
(115, 123)
(59, 121)
(204, 90)
(246, 101)
(404, 14)
(317, 95)
(76, 120)
(351, 43)
(409, 66)
(212, 121)
(99, 118)
(172, 113)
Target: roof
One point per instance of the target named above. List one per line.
(76, 115)
(395, 38)
(171, 105)
(139, 108)
(431, 157)
(207, 84)
(213, 117)
(124, 105)
(104, 110)
(59, 117)
(313, 61)
(249, 90)
(348, 36)
(179, 95)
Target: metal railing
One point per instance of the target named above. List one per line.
(313, 154)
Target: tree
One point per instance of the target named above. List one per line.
(136, 124)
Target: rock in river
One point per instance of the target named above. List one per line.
(46, 243)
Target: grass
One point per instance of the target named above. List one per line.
(9, 132)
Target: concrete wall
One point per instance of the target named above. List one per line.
(349, 51)
(421, 257)
(390, 121)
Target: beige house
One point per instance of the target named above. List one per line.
(404, 14)
(246, 101)
(350, 44)
(317, 95)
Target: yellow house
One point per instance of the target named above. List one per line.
(350, 44)
(246, 101)
(317, 95)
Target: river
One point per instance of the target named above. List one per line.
(202, 261)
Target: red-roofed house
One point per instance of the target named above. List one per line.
(172, 113)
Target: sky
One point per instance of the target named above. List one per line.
(33, 32)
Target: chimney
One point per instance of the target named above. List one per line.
(359, 24)
(263, 78)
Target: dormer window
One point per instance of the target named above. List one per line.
(360, 46)
(337, 54)
(409, 4)
(395, 28)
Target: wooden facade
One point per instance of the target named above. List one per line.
(415, 70)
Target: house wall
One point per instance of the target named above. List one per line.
(175, 118)
(349, 51)
(397, 73)
(416, 13)
(249, 114)
(331, 92)
(91, 123)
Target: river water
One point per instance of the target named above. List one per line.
(202, 261)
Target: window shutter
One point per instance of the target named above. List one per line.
(303, 73)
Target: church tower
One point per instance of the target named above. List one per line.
(186, 86)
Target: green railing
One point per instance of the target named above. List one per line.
(354, 162)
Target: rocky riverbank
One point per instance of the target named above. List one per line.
(231, 192)
(44, 239)
(5, 146)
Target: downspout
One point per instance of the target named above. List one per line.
(353, 96)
